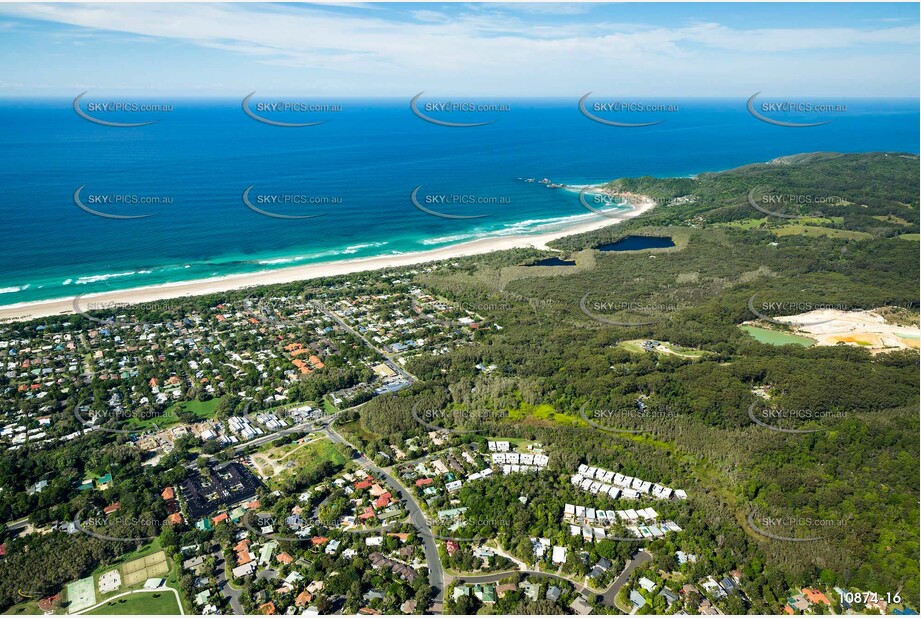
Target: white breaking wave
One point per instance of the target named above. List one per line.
(97, 278)
(356, 248)
(521, 228)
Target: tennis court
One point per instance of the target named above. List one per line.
(80, 594)
(142, 569)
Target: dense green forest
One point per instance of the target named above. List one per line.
(858, 470)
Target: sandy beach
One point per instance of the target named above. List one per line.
(61, 306)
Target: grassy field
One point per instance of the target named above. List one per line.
(24, 609)
(202, 410)
(328, 406)
(544, 412)
(355, 429)
(294, 458)
(750, 224)
(800, 229)
(910, 236)
(892, 219)
(635, 346)
(157, 603)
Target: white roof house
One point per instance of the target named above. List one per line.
(559, 554)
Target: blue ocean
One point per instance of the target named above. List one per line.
(353, 176)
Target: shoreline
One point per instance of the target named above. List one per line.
(198, 287)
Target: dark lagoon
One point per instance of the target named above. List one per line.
(554, 261)
(636, 243)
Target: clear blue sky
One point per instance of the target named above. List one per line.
(660, 50)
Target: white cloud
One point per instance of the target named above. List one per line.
(491, 48)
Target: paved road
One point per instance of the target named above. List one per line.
(387, 360)
(226, 590)
(638, 558)
(494, 577)
(416, 516)
(306, 426)
(608, 596)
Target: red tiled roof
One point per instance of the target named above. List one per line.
(383, 501)
(285, 558)
(303, 599)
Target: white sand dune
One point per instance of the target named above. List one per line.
(60, 306)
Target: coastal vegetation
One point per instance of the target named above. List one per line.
(568, 341)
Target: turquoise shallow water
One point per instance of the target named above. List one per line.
(363, 165)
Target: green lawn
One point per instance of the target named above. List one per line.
(544, 412)
(300, 457)
(355, 429)
(29, 608)
(201, 409)
(910, 236)
(635, 346)
(811, 230)
(158, 603)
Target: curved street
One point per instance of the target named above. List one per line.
(416, 515)
(608, 596)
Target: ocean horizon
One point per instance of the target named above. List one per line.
(354, 176)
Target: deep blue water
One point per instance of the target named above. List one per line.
(635, 243)
(371, 156)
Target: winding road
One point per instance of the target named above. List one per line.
(416, 515)
(226, 589)
(608, 596)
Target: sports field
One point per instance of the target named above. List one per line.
(155, 603)
(80, 594)
(138, 571)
